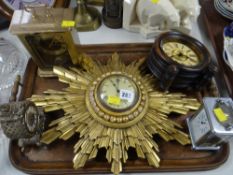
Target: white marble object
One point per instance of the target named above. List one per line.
(188, 11)
(150, 17)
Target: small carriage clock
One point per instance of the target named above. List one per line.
(48, 35)
(212, 125)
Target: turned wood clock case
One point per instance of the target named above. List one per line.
(180, 62)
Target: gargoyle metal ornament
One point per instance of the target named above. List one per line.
(22, 121)
(113, 106)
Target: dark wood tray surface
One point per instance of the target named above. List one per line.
(57, 157)
(215, 24)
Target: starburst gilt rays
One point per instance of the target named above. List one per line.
(115, 134)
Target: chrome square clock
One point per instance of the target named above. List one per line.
(212, 124)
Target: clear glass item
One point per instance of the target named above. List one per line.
(11, 63)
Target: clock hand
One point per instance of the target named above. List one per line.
(117, 81)
(117, 89)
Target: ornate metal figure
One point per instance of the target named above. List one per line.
(21, 120)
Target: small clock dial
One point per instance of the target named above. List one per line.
(19, 4)
(181, 53)
(118, 93)
(200, 125)
(31, 115)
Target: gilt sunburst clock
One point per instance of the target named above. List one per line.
(113, 106)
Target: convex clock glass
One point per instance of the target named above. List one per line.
(118, 92)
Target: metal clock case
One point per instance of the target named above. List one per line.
(180, 62)
(49, 43)
(23, 121)
(7, 7)
(212, 124)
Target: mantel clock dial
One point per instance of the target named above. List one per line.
(181, 53)
(115, 107)
(7, 7)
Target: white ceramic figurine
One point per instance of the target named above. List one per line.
(151, 17)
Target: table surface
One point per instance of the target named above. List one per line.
(110, 36)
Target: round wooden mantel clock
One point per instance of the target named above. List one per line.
(180, 62)
(7, 7)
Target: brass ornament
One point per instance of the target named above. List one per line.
(86, 18)
(115, 128)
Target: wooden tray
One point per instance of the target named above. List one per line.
(215, 24)
(57, 157)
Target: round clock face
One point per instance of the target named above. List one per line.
(31, 118)
(118, 93)
(181, 53)
(19, 4)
